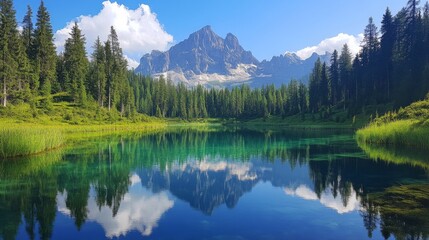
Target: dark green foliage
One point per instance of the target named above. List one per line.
(97, 84)
(334, 79)
(75, 66)
(392, 67)
(9, 48)
(27, 31)
(162, 98)
(43, 51)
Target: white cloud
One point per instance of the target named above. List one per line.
(139, 210)
(327, 199)
(243, 171)
(131, 62)
(139, 30)
(333, 43)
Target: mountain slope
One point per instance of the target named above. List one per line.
(203, 54)
(207, 59)
(283, 68)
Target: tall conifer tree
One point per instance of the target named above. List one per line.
(76, 65)
(9, 49)
(44, 53)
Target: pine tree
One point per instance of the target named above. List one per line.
(412, 28)
(345, 67)
(43, 53)
(314, 87)
(302, 97)
(182, 101)
(61, 74)
(27, 31)
(98, 73)
(24, 76)
(116, 68)
(356, 82)
(27, 37)
(425, 77)
(369, 60)
(334, 78)
(386, 52)
(371, 43)
(9, 48)
(76, 65)
(109, 73)
(324, 87)
(412, 12)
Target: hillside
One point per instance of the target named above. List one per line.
(408, 126)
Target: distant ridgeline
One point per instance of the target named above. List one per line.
(391, 67)
(209, 60)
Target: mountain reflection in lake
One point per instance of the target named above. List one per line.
(192, 184)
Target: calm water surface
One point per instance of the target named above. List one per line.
(189, 184)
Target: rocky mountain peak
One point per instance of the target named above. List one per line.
(205, 37)
(231, 41)
(204, 52)
(208, 59)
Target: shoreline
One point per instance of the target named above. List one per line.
(400, 133)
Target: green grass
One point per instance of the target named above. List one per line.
(333, 118)
(397, 133)
(26, 131)
(26, 140)
(337, 120)
(75, 123)
(20, 139)
(407, 127)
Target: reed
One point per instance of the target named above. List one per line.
(20, 141)
(397, 133)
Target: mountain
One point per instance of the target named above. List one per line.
(207, 59)
(203, 57)
(283, 68)
(206, 185)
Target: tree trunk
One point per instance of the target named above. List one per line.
(100, 99)
(109, 98)
(122, 109)
(4, 93)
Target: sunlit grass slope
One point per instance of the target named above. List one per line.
(407, 127)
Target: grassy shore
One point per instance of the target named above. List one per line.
(27, 131)
(338, 120)
(407, 127)
(398, 133)
(19, 141)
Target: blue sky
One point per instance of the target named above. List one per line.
(266, 28)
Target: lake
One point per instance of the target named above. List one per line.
(217, 184)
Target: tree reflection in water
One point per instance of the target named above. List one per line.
(129, 183)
